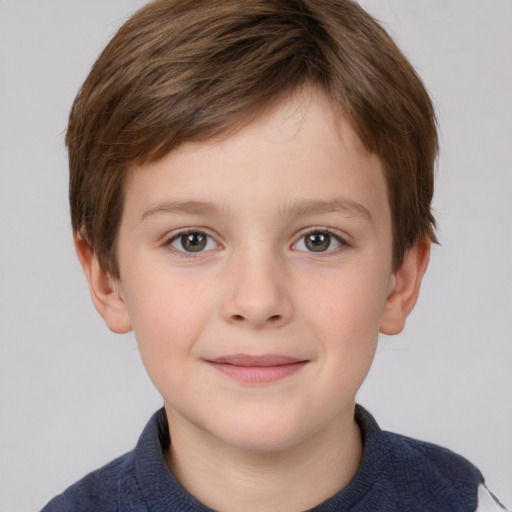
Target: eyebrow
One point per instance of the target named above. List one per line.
(180, 208)
(296, 209)
(341, 205)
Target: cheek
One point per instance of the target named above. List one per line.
(347, 304)
(168, 315)
(345, 311)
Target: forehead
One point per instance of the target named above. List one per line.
(304, 114)
(298, 151)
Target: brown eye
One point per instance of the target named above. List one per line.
(317, 242)
(193, 242)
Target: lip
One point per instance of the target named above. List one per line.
(262, 369)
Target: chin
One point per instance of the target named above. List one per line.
(264, 437)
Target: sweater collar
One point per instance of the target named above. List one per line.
(161, 490)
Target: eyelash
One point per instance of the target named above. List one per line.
(182, 253)
(343, 244)
(316, 230)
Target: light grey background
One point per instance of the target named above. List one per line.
(73, 395)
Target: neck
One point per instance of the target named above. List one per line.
(228, 478)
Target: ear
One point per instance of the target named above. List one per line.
(104, 289)
(404, 288)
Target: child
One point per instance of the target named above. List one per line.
(250, 188)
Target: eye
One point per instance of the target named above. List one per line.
(319, 241)
(192, 241)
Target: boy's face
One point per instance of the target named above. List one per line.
(256, 273)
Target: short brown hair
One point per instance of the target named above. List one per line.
(187, 70)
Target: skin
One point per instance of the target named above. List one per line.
(258, 287)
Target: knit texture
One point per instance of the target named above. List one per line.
(396, 474)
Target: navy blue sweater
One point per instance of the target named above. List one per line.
(396, 474)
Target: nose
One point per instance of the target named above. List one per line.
(258, 293)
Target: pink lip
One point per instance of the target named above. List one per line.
(257, 369)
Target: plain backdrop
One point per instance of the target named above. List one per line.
(73, 395)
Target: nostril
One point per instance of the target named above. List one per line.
(272, 319)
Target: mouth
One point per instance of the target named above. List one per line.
(257, 369)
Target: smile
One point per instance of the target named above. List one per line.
(257, 369)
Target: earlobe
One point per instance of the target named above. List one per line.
(404, 288)
(104, 289)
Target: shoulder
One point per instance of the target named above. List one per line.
(135, 481)
(454, 479)
(408, 474)
(431, 460)
(434, 472)
(96, 491)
